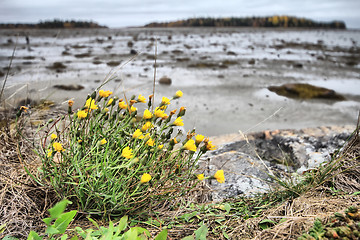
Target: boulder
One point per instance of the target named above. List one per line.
(305, 91)
(165, 80)
(70, 87)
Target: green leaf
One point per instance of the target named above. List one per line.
(33, 236)
(132, 234)
(266, 223)
(227, 208)
(93, 222)
(47, 221)
(141, 230)
(123, 223)
(225, 234)
(355, 193)
(162, 235)
(64, 237)
(201, 232)
(7, 237)
(59, 208)
(74, 238)
(63, 221)
(2, 229)
(109, 232)
(188, 238)
(51, 230)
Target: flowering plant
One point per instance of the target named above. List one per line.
(111, 161)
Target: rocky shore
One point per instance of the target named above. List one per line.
(247, 160)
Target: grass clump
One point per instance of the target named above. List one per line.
(111, 161)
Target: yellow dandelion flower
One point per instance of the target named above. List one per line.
(138, 134)
(70, 103)
(110, 102)
(147, 114)
(160, 146)
(219, 176)
(145, 178)
(141, 98)
(178, 122)
(190, 145)
(90, 103)
(199, 138)
(210, 146)
(159, 113)
(133, 109)
(165, 101)
(81, 114)
(53, 136)
(104, 94)
(122, 105)
(49, 154)
(23, 108)
(127, 153)
(200, 177)
(58, 147)
(150, 142)
(146, 126)
(103, 141)
(178, 94)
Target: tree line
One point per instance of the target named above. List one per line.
(56, 23)
(271, 21)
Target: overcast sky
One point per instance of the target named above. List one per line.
(123, 13)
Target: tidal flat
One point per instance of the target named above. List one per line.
(224, 73)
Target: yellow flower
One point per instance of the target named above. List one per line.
(127, 153)
(133, 109)
(104, 94)
(210, 146)
(53, 136)
(159, 113)
(58, 147)
(141, 98)
(178, 122)
(146, 126)
(90, 103)
(23, 108)
(150, 142)
(110, 102)
(160, 146)
(219, 176)
(70, 103)
(138, 134)
(122, 105)
(49, 154)
(190, 145)
(178, 94)
(165, 101)
(81, 114)
(199, 138)
(145, 178)
(103, 141)
(147, 114)
(200, 177)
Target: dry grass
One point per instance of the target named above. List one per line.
(23, 202)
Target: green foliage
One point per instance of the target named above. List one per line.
(111, 161)
(271, 21)
(62, 220)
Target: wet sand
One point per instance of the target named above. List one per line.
(223, 73)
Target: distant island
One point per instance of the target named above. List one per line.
(271, 22)
(52, 24)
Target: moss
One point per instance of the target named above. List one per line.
(305, 91)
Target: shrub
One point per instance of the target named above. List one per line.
(111, 161)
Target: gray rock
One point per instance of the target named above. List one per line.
(165, 80)
(248, 163)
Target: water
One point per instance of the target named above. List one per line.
(227, 96)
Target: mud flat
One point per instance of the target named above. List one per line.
(224, 73)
